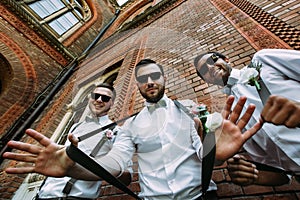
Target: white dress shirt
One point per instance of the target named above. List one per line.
(273, 145)
(85, 189)
(169, 152)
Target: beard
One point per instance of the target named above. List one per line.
(156, 98)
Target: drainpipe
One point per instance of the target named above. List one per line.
(13, 134)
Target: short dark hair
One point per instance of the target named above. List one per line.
(147, 61)
(108, 86)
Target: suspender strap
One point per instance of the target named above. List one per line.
(78, 156)
(68, 186)
(264, 93)
(209, 151)
(98, 146)
(71, 182)
(109, 126)
(183, 108)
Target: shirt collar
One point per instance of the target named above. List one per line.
(232, 80)
(161, 103)
(100, 120)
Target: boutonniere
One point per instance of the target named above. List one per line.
(214, 121)
(210, 122)
(250, 75)
(109, 134)
(201, 112)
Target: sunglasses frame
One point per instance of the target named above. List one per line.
(144, 78)
(211, 61)
(104, 97)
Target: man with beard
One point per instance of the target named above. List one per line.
(275, 146)
(101, 100)
(164, 137)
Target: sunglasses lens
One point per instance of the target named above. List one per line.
(105, 98)
(96, 96)
(155, 75)
(203, 70)
(144, 78)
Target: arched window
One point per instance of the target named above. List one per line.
(121, 2)
(6, 74)
(60, 17)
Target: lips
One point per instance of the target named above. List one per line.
(97, 106)
(151, 89)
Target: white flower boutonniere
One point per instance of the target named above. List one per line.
(214, 121)
(109, 134)
(251, 75)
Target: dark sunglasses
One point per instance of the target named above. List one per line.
(211, 61)
(96, 96)
(144, 78)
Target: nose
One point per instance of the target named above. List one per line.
(150, 80)
(99, 99)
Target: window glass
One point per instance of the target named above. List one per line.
(61, 17)
(63, 23)
(44, 8)
(121, 2)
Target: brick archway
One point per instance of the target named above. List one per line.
(23, 84)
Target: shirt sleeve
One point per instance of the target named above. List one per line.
(284, 60)
(119, 158)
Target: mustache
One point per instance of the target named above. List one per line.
(151, 86)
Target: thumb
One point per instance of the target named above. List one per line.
(73, 139)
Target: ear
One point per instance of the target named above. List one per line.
(227, 60)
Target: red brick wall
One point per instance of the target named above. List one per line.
(174, 39)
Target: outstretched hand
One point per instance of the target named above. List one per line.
(229, 137)
(50, 159)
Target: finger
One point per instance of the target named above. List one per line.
(20, 157)
(293, 121)
(30, 148)
(234, 116)
(284, 110)
(252, 131)
(21, 170)
(241, 165)
(43, 140)
(280, 117)
(73, 139)
(246, 117)
(227, 109)
(267, 107)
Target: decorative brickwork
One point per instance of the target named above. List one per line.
(259, 37)
(281, 29)
(33, 36)
(24, 74)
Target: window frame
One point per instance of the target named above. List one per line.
(79, 9)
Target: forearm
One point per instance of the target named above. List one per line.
(268, 178)
(108, 163)
(125, 178)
